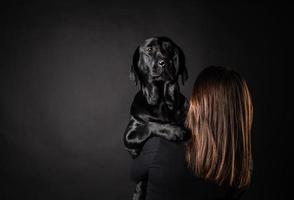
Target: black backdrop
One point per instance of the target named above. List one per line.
(65, 93)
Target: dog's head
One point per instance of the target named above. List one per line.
(157, 60)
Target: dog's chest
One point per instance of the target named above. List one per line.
(156, 113)
(160, 112)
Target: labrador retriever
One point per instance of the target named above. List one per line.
(158, 109)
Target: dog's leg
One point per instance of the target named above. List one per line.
(140, 190)
(135, 135)
(167, 131)
(138, 132)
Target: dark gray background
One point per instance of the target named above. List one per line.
(65, 93)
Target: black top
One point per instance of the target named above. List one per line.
(163, 163)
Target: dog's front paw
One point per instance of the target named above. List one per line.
(177, 134)
(180, 133)
(133, 152)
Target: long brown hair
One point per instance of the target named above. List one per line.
(220, 117)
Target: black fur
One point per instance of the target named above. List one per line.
(158, 109)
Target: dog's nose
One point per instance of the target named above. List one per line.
(161, 63)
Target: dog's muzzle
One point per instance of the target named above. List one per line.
(162, 70)
(159, 68)
(161, 63)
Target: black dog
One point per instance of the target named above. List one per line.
(159, 109)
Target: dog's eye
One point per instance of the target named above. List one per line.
(148, 49)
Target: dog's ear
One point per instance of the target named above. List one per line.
(180, 64)
(150, 91)
(134, 67)
(171, 95)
